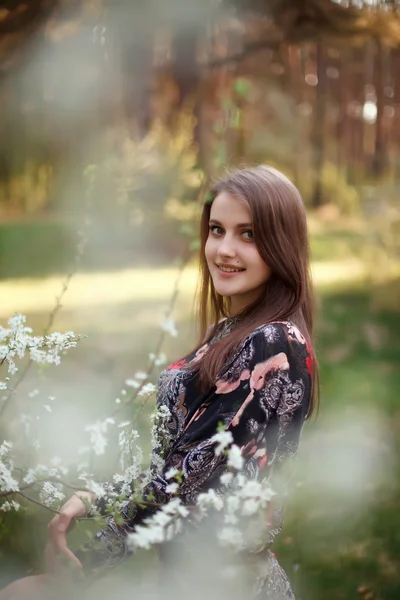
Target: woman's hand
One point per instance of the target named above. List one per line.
(58, 529)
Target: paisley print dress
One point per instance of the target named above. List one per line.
(262, 396)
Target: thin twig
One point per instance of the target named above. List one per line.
(58, 305)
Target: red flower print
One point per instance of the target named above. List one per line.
(262, 462)
(261, 370)
(309, 363)
(309, 359)
(249, 449)
(177, 365)
(258, 377)
(225, 387)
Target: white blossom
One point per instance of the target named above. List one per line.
(229, 536)
(223, 439)
(132, 383)
(235, 458)
(131, 453)
(97, 431)
(141, 375)
(226, 478)
(147, 390)
(250, 506)
(172, 472)
(159, 360)
(7, 481)
(172, 488)
(209, 499)
(145, 536)
(7, 506)
(96, 488)
(231, 519)
(159, 527)
(57, 470)
(168, 325)
(232, 504)
(51, 493)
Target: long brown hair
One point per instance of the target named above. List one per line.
(281, 236)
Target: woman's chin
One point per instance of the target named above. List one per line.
(225, 291)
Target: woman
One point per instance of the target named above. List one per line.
(254, 371)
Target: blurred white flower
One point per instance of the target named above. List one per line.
(171, 473)
(97, 431)
(141, 375)
(235, 458)
(132, 383)
(172, 488)
(7, 506)
(168, 325)
(223, 439)
(159, 360)
(226, 478)
(229, 536)
(209, 500)
(147, 390)
(7, 481)
(250, 507)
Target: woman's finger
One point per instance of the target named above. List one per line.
(57, 545)
(49, 558)
(59, 527)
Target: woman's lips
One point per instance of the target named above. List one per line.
(229, 273)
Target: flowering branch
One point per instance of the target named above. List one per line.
(90, 175)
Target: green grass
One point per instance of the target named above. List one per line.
(340, 548)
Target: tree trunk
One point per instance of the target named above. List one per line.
(379, 158)
(317, 197)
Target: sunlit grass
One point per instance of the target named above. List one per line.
(93, 289)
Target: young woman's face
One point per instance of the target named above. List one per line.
(230, 245)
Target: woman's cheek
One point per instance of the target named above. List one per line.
(209, 252)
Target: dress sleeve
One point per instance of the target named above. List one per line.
(280, 386)
(262, 397)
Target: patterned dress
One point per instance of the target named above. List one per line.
(263, 397)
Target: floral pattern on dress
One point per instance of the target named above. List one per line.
(263, 397)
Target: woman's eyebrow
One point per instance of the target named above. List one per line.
(238, 225)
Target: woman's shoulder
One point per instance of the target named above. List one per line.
(275, 331)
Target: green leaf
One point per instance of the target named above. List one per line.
(241, 87)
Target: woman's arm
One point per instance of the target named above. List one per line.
(262, 398)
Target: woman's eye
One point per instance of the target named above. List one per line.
(215, 229)
(248, 234)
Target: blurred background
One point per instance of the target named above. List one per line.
(114, 116)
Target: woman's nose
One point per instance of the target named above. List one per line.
(227, 247)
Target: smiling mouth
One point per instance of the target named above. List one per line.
(230, 269)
